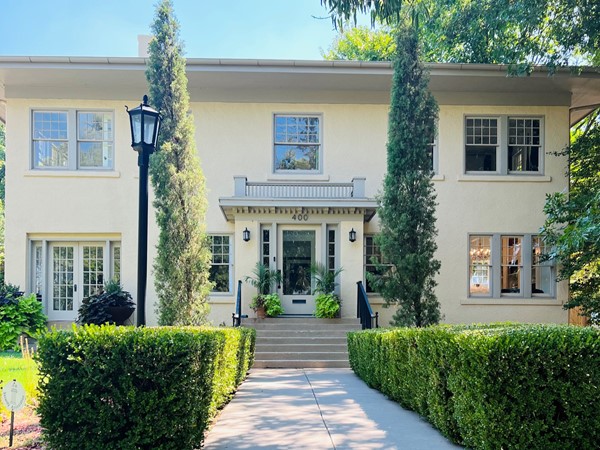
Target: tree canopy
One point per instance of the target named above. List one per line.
(515, 32)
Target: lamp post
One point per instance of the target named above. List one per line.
(145, 125)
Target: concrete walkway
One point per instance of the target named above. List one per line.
(317, 409)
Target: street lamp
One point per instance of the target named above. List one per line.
(145, 125)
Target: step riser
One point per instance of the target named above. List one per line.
(294, 348)
(296, 320)
(307, 327)
(304, 356)
(302, 334)
(301, 364)
(301, 340)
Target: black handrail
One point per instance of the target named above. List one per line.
(237, 316)
(363, 308)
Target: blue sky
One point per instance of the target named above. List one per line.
(279, 29)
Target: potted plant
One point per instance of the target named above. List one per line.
(327, 303)
(112, 305)
(265, 303)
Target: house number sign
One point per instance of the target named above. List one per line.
(13, 396)
(300, 217)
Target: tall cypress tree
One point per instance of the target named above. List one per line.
(407, 205)
(183, 262)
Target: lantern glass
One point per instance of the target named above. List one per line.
(136, 126)
(149, 124)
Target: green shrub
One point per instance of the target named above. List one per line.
(19, 314)
(129, 388)
(272, 305)
(491, 386)
(98, 308)
(326, 306)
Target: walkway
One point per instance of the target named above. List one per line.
(317, 409)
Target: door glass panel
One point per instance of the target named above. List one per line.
(93, 269)
(298, 256)
(62, 276)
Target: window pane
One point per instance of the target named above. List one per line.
(296, 157)
(480, 158)
(510, 276)
(542, 270)
(480, 265)
(51, 154)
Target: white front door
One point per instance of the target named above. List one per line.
(297, 250)
(76, 272)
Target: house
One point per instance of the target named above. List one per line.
(294, 152)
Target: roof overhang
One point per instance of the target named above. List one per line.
(231, 80)
(234, 206)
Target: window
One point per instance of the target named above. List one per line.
(503, 144)
(373, 258)
(331, 249)
(72, 140)
(297, 143)
(432, 149)
(265, 248)
(509, 265)
(220, 269)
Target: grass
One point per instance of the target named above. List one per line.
(14, 367)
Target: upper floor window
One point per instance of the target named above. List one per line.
(503, 144)
(509, 265)
(297, 143)
(221, 264)
(72, 140)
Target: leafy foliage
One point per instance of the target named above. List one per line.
(131, 388)
(515, 32)
(324, 278)
(263, 278)
(327, 306)
(96, 309)
(362, 44)
(490, 386)
(182, 265)
(19, 314)
(407, 205)
(2, 197)
(572, 227)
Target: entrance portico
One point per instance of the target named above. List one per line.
(294, 225)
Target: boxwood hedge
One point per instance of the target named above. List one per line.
(491, 386)
(137, 388)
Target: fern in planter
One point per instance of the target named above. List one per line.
(112, 305)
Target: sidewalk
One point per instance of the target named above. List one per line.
(317, 409)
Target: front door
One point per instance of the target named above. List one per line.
(297, 253)
(76, 272)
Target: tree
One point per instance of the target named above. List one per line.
(520, 33)
(572, 227)
(362, 44)
(407, 205)
(182, 265)
(2, 197)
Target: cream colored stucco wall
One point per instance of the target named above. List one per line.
(236, 139)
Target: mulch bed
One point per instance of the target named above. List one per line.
(27, 431)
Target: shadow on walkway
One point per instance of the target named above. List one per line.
(317, 409)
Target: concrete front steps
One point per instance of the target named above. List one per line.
(301, 342)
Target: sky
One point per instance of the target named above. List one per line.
(255, 29)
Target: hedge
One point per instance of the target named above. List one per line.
(137, 388)
(491, 386)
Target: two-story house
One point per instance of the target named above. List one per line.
(294, 153)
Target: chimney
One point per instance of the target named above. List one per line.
(143, 42)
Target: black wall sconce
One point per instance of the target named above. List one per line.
(352, 235)
(246, 235)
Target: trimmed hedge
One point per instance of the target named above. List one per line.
(491, 386)
(137, 388)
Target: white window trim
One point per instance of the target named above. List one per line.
(526, 295)
(72, 140)
(502, 147)
(274, 170)
(231, 263)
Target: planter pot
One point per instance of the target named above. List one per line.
(120, 314)
(260, 312)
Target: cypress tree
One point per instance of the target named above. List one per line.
(182, 265)
(407, 204)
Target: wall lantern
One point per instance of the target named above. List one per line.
(145, 125)
(352, 235)
(246, 235)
